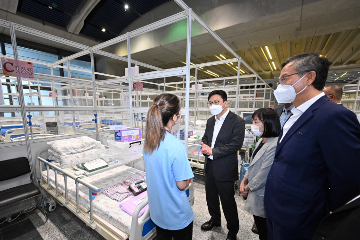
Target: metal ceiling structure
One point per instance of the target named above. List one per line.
(341, 48)
(108, 18)
(109, 15)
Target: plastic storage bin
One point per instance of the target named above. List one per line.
(128, 151)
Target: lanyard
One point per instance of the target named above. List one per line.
(167, 131)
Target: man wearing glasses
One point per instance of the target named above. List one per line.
(224, 136)
(316, 166)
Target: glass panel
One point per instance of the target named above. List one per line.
(34, 55)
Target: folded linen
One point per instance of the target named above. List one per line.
(131, 204)
(70, 161)
(73, 145)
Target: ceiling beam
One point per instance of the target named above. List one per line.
(276, 56)
(289, 48)
(303, 45)
(335, 44)
(76, 23)
(354, 54)
(347, 46)
(250, 54)
(319, 44)
(9, 5)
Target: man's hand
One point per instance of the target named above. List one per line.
(243, 190)
(205, 149)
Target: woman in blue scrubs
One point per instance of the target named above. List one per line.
(168, 171)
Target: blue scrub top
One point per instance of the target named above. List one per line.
(169, 207)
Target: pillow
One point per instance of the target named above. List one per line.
(74, 145)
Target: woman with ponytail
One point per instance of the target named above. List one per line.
(168, 171)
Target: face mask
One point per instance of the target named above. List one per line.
(286, 93)
(216, 109)
(255, 130)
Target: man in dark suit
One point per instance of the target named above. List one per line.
(316, 166)
(342, 224)
(334, 93)
(224, 136)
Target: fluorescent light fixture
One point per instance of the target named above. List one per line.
(242, 70)
(222, 56)
(267, 49)
(200, 67)
(274, 65)
(340, 76)
(212, 73)
(126, 7)
(103, 29)
(231, 63)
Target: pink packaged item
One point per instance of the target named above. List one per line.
(130, 205)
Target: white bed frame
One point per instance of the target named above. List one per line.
(104, 228)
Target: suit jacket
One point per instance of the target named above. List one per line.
(342, 224)
(279, 110)
(228, 142)
(316, 168)
(257, 174)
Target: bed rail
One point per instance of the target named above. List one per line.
(137, 232)
(93, 191)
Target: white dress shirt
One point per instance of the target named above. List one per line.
(217, 127)
(297, 112)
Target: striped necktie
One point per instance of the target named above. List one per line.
(284, 117)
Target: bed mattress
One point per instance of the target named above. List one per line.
(103, 206)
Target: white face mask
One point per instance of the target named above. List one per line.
(256, 130)
(286, 93)
(216, 109)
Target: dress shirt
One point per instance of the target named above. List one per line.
(217, 127)
(339, 103)
(298, 111)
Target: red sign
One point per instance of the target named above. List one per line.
(138, 86)
(17, 68)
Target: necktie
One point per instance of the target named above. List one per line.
(284, 117)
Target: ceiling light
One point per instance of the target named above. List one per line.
(242, 70)
(103, 29)
(126, 7)
(50, 7)
(222, 56)
(212, 73)
(231, 63)
(267, 49)
(274, 65)
(340, 76)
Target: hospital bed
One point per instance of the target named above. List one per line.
(82, 196)
(5, 128)
(14, 133)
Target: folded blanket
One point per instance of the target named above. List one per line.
(131, 204)
(69, 161)
(73, 145)
(120, 191)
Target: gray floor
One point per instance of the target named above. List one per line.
(62, 224)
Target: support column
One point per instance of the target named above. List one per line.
(187, 95)
(21, 100)
(94, 93)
